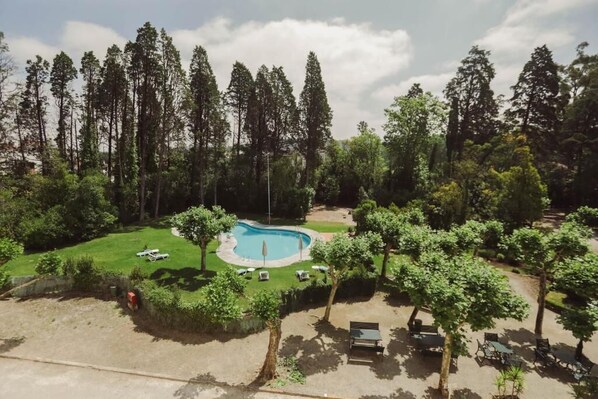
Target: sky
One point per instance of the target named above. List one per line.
(370, 51)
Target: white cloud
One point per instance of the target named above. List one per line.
(353, 57)
(77, 37)
(526, 25)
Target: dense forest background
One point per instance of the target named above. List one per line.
(134, 136)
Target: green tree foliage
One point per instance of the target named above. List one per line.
(62, 74)
(584, 215)
(200, 225)
(473, 106)
(542, 252)
(90, 72)
(535, 101)
(579, 277)
(412, 120)
(265, 305)
(237, 99)
(361, 212)
(315, 117)
(343, 254)
(462, 293)
(33, 109)
(221, 302)
(522, 197)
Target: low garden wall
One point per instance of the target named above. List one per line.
(168, 310)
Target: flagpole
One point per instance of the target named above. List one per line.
(268, 174)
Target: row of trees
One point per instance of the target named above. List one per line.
(461, 158)
(160, 136)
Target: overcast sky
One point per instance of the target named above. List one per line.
(370, 51)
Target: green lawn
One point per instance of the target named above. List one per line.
(116, 252)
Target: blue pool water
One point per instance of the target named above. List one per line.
(281, 243)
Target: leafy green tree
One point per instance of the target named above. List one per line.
(62, 74)
(579, 276)
(343, 254)
(200, 225)
(542, 252)
(315, 117)
(365, 157)
(461, 293)
(265, 305)
(584, 215)
(535, 101)
(477, 108)
(411, 122)
(284, 115)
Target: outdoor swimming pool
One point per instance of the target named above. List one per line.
(281, 243)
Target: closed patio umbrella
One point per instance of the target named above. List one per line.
(264, 251)
(300, 248)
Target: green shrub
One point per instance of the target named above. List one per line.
(4, 280)
(137, 275)
(49, 264)
(86, 274)
(584, 215)
(69, 268)
(500, 257)
(230, 278)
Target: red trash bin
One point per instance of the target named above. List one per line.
(132, 300)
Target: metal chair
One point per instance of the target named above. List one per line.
(487, 353)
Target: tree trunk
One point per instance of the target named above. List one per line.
(385, 261)
(330, 299)
(203, 256)
(413, 316)
(446, 366)
(541, 303)
(579, 349)
(268, 371)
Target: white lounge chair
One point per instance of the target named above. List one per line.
(146, 252)
(302, 275)
(321, 269)
(155, 257)
(263, 276)
(241, 272)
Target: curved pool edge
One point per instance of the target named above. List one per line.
(228, 243)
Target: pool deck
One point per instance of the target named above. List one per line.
(228, 243)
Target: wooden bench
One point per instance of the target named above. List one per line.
(418, 328)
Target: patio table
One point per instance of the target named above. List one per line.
(501, 348)
(565, 357)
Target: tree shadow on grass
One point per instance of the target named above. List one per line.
(204, 382)
(187, 279)
(322, 353)
(8, 344)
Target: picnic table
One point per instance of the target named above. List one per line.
(429, 341)
(365, 335)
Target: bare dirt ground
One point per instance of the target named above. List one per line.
(99, 332)
(322, 213)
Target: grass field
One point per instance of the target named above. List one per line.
(116, 252)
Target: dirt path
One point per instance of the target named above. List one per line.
(322, 213)
(100, 332)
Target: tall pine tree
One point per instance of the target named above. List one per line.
(62, 74)
(90, 72)
(477, 108)
(315, 118)
(535, 102)
(237, 100)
